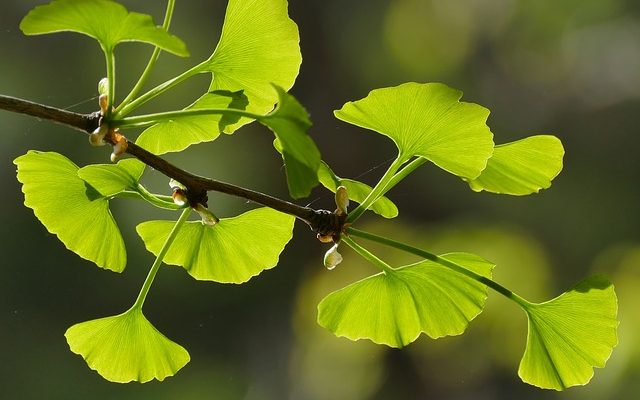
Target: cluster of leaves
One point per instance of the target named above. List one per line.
(254, 64)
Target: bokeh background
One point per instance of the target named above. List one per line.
(570, 67)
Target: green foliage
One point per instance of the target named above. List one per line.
(522, 167)
(256, 61)
(106, 21)
(231, 251)
(570, 335)
(393, 308)
(71, 209)
(126, 348)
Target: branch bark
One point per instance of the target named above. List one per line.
(323, 222)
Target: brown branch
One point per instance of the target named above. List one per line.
(323, 222)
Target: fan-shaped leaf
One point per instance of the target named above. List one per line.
(182, 132)
(570, 335)
(522, 167)
(106, 21)
(357, 191)
(429, 121)
(111, 179)
(126, 348)
(232, 251)
(394, 308)
(71, 209)
(259, 47)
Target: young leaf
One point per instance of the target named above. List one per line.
(111, 179)
(231, 251)
(126, 348)
(182, 132)
(394, 308)
(522, 167)
(259, 47)
(429, 121)
(106, 21)
(71, 209)
(357, 191)
(290, 123)
(570, 335)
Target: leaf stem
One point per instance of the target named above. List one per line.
(442, 261)
(163, 87)
(379, 190)
(150, 119)
(152, 61)
(405, 171)
(366, 254)
(111, 77)
(156, 264)
(164, 202)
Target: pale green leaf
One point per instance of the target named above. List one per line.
(522, 167)
(106, 21)
(259, 46)
(427, 120)
(394, 308)
(357, 191)
(71, 209)
(290, 123)
(111, 179)
(570, 335)
(126, 348)
(180, 133)
(232, 251)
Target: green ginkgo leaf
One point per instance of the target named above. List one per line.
(180, 133)
(126, 347)
(290, 123)
(106, 21)
(394, 308)
(71, 209)
(231, 251)
(111, 179)
(570, 335)
(259, 46)
(357, 191)
(522, 167)
(427, 120)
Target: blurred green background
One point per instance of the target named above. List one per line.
(569, 67)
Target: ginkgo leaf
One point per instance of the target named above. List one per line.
(394, 308)
(290, 123)
(357, 191)
(231, 251)
(106, 21)
(427, 120)
(126, 347)
(71, 209)
(111, 179)
(570, 335)
(522, 167)
(259, 46)
(180, 133)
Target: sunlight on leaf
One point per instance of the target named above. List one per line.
(111, 179)
(106, 21)
(259, 47)
(427, 120)
(357, 191)
(570, 335)
(180, 133)
(71, 209)
(290, 123)
(231, 251)
(393, 309)
(522, 167)
(126, 348)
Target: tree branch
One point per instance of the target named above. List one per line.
(323, 222)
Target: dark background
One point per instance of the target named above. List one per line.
(570, 68)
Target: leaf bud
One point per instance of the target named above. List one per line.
(103, 86)
(120, 147)
(103, 101)
(96, 138)
(332, 257)
(207, 216)
(342, 200)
